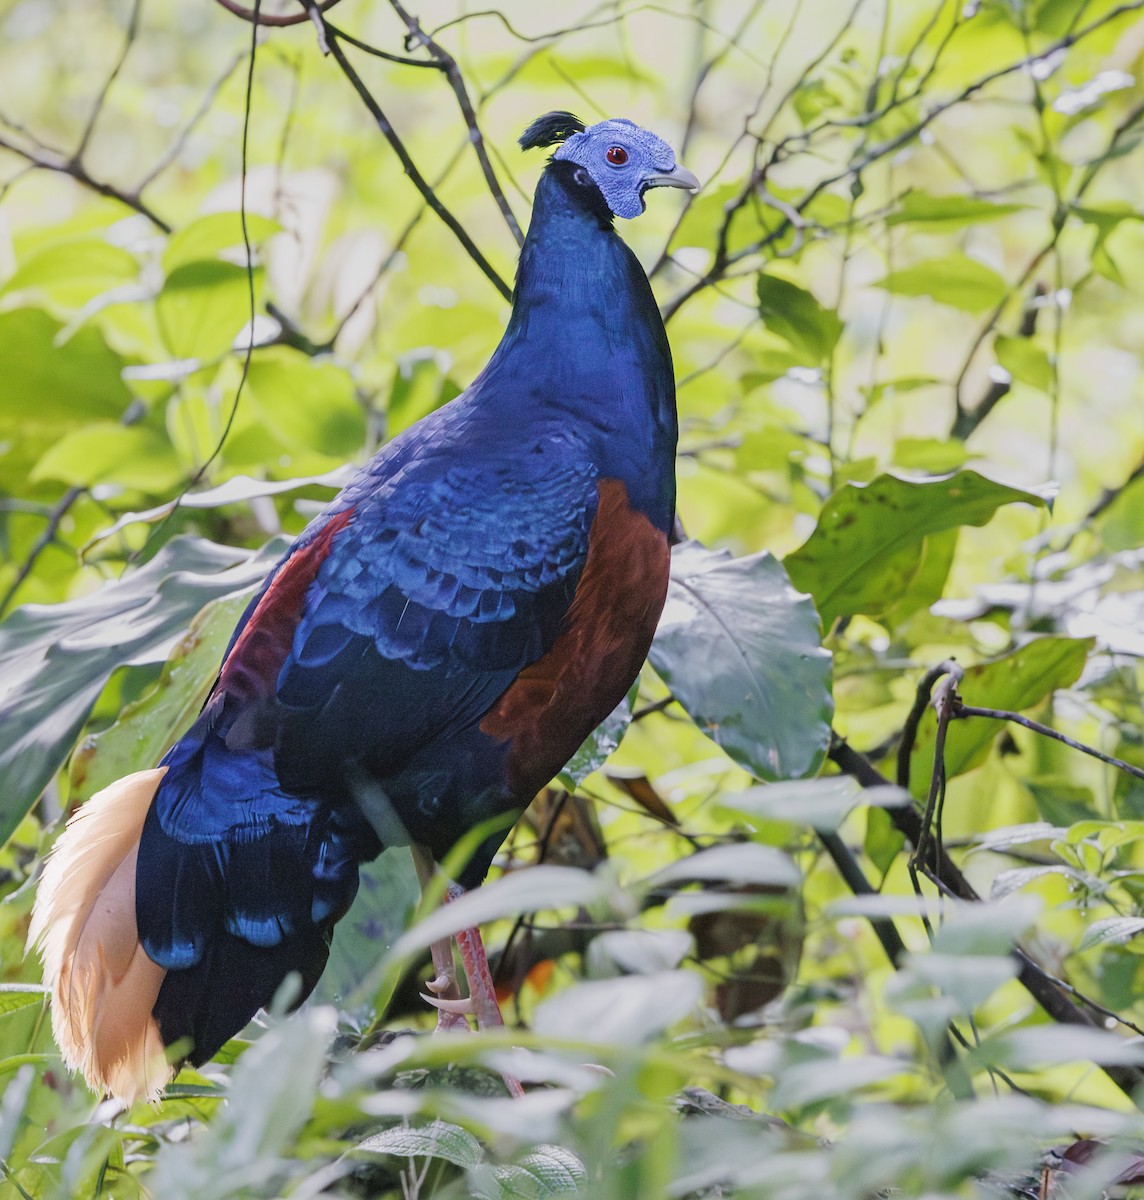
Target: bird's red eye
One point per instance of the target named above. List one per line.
(616, 155)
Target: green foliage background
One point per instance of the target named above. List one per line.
(906, 316)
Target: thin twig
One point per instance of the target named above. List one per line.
(47, 536)
(407, 163)
(113, 75)
(962, 710)
(448, 64)
(52, 160)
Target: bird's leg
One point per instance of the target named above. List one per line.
(482, 993)
(446, 998)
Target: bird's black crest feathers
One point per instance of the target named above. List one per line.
(550, 130)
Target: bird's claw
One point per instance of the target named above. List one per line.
(462, 1008)
(441, 983)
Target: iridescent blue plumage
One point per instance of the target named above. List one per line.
(437, 643)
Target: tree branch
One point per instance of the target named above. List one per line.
(408, 165)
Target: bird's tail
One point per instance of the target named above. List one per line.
(103, 985)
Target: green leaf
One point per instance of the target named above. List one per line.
(537, 888)
(202, 307)
(107, 452)
(738, 863)
(438, 1139)
(305, 403)
(1025, 361)
(387, 897)
(955, 279)
(741, 650)
(14, 997)
(794, 314)
(545, 1171)
(933, 456)
(1018, 681)
(75, 381)
(868, 547)
(73, 272)
(940, 213)
(55, 660)
(1112, 931)
(623, 1011)
(207, 236)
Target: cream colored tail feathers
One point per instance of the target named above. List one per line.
(103, 985)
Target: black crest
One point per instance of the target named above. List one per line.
(551, 129)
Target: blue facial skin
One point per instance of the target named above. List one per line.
(624, 161)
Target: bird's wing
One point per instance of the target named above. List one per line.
(435, 595)
(395, 623)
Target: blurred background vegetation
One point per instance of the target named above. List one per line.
(906, 316)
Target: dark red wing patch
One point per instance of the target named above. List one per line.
(251, 668)
(554, 704)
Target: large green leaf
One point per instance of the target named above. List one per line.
(306, 403)
(957, 280)
(794, 314)
(741, 650)
(106, 452)
(202, 307)
(77, 380)
(203, 238)
(1018, 681)
(868, 550)
(56, 659)
(71, 272)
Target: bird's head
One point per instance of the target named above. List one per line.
(623, 160)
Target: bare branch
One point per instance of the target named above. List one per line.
(51, 160)
(960, 709)
(407, 163)
(278, 20)
(448, 63)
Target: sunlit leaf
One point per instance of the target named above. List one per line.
(203, 238)
(305, 403)
(72, 272)
(956, 280)
(741, 650)
(794, 314)
(77, 380)
(102, 452)
(867, 548)
(626, 1010)
(17, 996)
(202, 307)
(1112, 931)
(1025, 361)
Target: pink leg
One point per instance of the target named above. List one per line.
(446, 998)
(482, 993)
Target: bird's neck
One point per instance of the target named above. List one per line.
(585, 345)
